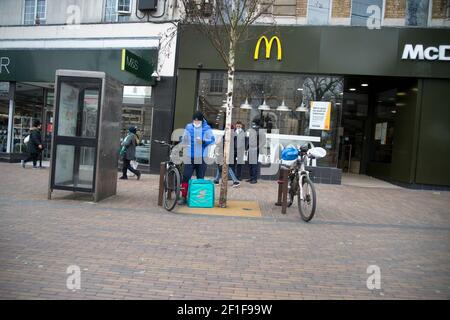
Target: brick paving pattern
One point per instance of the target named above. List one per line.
(128, 248)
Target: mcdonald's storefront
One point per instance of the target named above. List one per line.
(376, 100)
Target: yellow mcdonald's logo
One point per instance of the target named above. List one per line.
(268, 47)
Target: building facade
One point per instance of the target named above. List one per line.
(386, 87)
(381, 64)
(37, 37)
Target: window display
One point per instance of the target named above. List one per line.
(281, 103)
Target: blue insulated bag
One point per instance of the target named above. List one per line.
(201, 193)
(289, 154)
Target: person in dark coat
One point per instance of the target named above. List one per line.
(256, 140)
(128, 153)
(240, 147)
(34, 146)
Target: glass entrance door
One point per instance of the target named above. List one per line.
(355, 122)
(76, 133)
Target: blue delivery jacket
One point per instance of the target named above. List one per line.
(190, 135)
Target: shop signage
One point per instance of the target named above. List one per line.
(4, 65)
(268, 47)
(418, 52)
(319, 118)
(136, 65)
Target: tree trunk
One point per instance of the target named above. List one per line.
(228, 118)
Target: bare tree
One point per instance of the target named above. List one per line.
(226, 23)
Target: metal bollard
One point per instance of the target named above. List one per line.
(162, 173)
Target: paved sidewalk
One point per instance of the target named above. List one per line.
(128, 248)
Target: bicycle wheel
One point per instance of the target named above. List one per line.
(171, 188)
(307, 205)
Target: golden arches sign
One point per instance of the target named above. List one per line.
(268, 47)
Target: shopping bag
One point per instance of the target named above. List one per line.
(134, 164)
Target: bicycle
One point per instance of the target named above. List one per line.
(300, 183)
(172, 180)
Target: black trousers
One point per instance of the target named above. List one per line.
(32, 157)
(237, 168)
(254, 168)
(127, 166)
(189, 168)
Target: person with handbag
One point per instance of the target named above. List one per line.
(34, 144)
(128, 153)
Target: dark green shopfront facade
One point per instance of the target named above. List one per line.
(389, 91)
(26, 93)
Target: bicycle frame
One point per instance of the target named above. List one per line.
(303, 173)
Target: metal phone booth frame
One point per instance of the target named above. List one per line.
(86, 136)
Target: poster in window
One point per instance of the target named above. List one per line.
(378, 131)
(383, 132)
(320, 115)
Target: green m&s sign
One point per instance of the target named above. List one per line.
(137, 66)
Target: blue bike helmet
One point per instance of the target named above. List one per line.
(289, 154)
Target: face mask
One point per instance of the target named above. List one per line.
(238, 130)
(197, 125)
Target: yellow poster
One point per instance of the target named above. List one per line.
(320, 116)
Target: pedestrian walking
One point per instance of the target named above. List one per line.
(34, 145)
(197, 136)
(128, 153)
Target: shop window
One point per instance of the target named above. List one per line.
(29, 102)
(117, 10)
(35, 12)
(417, 13)
(288, 115)
(137, 112)
(318, 12)
(4, 109)
(362, 12)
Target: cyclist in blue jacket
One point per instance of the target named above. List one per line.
(197, 136)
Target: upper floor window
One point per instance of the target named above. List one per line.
(117, 10)
(318, 12)
(447, 10)
(35, 12)
(363, 11)
(216, 82)
(417, 13)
